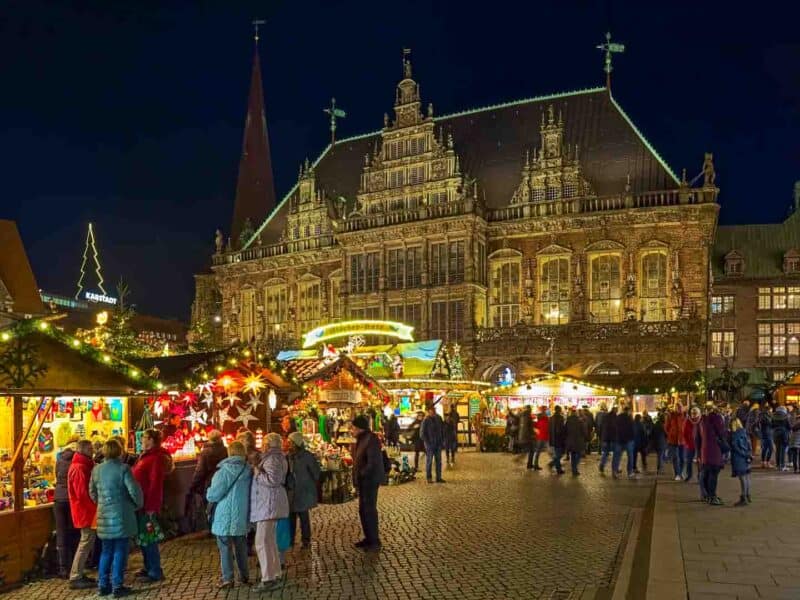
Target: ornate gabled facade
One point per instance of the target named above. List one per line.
(525, 231)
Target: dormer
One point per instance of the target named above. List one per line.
(791, 262)
(734, 264)
(308, 221)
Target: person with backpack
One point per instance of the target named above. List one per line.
(765, 435)
(229, 494)
(780, 435)
(304, 473)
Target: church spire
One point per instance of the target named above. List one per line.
(255, 187)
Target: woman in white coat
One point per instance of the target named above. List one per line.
(268, 503)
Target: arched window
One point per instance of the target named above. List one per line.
(663, 367)
(653, 286)
(554, 290)
(606, 368)
(605, 288)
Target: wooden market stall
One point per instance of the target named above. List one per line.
(53, 389)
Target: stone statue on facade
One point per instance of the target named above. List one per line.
(218, 241)
(709, 174)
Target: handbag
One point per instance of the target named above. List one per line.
(212, 506)
(150, 531)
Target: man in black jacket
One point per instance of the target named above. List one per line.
(625, 443)
(368, 473)
(558, 439)
(607, 428)
(432, 434)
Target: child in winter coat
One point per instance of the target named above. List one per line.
(741, 457)
(794, 444)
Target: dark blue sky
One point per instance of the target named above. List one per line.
(132, 118)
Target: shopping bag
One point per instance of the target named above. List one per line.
(150, 531)
(283, 534)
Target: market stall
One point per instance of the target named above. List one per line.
(54, 389)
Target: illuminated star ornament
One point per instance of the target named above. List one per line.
(196, 416)
(246, 415)
(232, 398)
(206, 388)
(223, 416)
(208, 400)
(254, 384)
(255, 401)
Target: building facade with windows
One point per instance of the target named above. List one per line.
(547, 224)
(755, 297)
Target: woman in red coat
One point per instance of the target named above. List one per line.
(83, 510)
(149, 471)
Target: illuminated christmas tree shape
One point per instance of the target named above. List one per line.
(90, 243)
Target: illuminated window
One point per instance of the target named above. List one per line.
(455, 270)
(413, 267)
(764, 339)
(505, 292)
(247, 319)
(276, 305)
(482, 269)
(605, 289)
(779, 298)
(793, 298)
(793, 340)
(395, 268)
(364, 271)
(308, 296)
(764, 298)
(438, 264)
(554, 290)
(778, 375)
(723, 343)
(722, 305)
(653, 287)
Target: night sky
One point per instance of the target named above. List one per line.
(133, 118)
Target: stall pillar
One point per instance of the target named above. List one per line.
(18, 474)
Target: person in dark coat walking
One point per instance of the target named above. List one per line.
(415, 439)
(625, 443)
(598, 424)
(711, 433)
(588, 419)
(742, 411)
(432, 434)
(211, 455)
(368, 474)
(451, 435)
(558, 439)
(608, 437)
(391, 431)
(542, 428)
(67, 535)
(658, 440)
(525, 432)
(512, 429)
(780, 435)
(575, 439)
(741, 457)
(641, 439)
(305, 472)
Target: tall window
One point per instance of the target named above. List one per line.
(793, 297)
(653, 287)
(764, 298)
(554, 290)
(364, 271)
(447, 320)
(722, 305)
(410, 314)
(277, 305)
(481, 271)
(247, 319)
(438, 264)
(438, 198)
(723, 343)
(416, 175)
(779, 298)
(396, 178)
(373, 271)
(308, 296)
(437, 324)
(336, 298)
(605, 300)
(413, 267)
(779, 340)
(455, 271)
(395, 268)
(505, 309)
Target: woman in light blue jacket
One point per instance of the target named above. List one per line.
(230, 490)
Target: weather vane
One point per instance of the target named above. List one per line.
(610, 49)
(256, 23)
(335, 113)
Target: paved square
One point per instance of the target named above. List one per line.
(494, 530)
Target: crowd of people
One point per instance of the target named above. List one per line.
(707, 438)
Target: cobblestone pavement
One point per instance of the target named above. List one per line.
(742, 552)
(493, 531)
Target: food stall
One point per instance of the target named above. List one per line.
(53, 390)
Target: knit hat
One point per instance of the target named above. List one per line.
(361, 422)
(297, 439)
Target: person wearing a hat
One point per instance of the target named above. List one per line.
(368, 473)
(268, 503)
(303, 495)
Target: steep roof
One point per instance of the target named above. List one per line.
(761, 246)
(255, 187)
(491, 143)
(16, 274)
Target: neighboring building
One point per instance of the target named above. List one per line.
(755, 298)
(509, 229)
(19, 294)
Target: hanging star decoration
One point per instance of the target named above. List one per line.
(206, 387)
(254, 383)
(196, 416)
(255, 401)
(232, 399)
(245, 415)
(158, 407)
(208, 399)
(223, 416)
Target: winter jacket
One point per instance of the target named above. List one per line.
(231, 513)
(558, 432)
(689, 433)
(674, 427)
(765, 425)
(741, 453)
(414, 436)
(305, 475)
(118, 496)
(149, 471)
(368, 469)
(794, 436)
(624, 426)
(658, 437)
(63, 462)
(741, 414)
(81, 505)
(640, 434)
(451, 429)
(608, 433)
(575, 434)
(752, 424)
(599, 420)
(711, 429)
(588, 419)
(542, 427)
(431, 432)
(268, 499)
(210, 456)
(525, 431)
(780, 425)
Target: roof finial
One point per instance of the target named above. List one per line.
(609, 48)
(335, 113)
(406, 63)
(256, 23)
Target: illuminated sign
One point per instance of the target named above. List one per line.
(331, 331)
(101, 298)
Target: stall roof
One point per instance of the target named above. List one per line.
(647, 382)
(310, 369)
(419, 358)
(565, 384)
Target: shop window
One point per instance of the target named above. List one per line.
(605, 300)
(554, 286)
